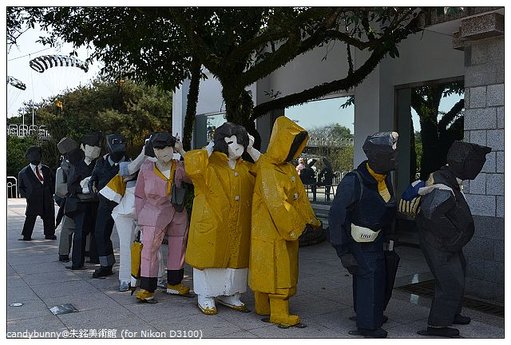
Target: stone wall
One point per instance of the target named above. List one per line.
(484, 125)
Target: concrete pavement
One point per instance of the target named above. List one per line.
(39, 281)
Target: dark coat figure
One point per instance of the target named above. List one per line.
(325, 177)
(36, 184)
(308, 177)
(65, 146)
(106, 168)
(82, 206)
(359, 220)
(445, 226)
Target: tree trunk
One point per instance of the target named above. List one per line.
(239, 107)
(430, 161)
(191, 104)
(413, 154)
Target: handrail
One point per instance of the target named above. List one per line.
(27, 130)
(12, 182)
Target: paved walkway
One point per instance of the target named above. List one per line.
(39, 281)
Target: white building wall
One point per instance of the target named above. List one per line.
(321, 65)
(427, 56)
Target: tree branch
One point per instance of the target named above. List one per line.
(282, 55)
(343, 84)
(191, 104)
(450, 115)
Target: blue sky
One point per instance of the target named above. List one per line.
(322, 113)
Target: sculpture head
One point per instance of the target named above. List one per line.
(162, 144)
(231, 139)
(116, 146)
(34, 155)
(466, 159)
(381, 151)
(91, 145)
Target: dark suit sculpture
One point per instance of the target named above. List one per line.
(85, 205)
(445, 226)
(36, 184)
(105, 169)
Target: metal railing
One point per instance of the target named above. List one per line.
(12, 187)
(26, 130)
(324, 193)
(316, 141)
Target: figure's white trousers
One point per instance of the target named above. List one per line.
(213, 282)
(126, 230)
(125, 225)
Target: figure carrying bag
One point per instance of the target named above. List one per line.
(178, 196)
(136, 259)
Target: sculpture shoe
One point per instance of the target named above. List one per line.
(280, 314)
(445, 332)
(206, 305)
(145, 296)
(178, 289)
(102, 271)
(233, 302)
(124, 286)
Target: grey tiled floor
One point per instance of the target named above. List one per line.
(324, 299)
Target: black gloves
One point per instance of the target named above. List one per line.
(349, 262)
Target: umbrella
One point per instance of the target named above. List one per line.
(136, 256)
(391, 265)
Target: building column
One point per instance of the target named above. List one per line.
(179, 104)
(374, 106)
(482, 38)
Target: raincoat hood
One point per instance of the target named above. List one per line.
(380, 149)
(287, 141)
(466, 159)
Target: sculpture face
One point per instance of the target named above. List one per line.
(164, 154)
(34, 155)
(235, 150)
(91, 152)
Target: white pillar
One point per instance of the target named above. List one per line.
(179, 103)
(374, 106)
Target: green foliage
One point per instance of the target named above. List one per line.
(339, 131)
(133, 110)
(342, 158)
(338, 152)
(16, 148)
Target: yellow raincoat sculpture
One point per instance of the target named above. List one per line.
(223, 197)
(219, 238)
(280, 213)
